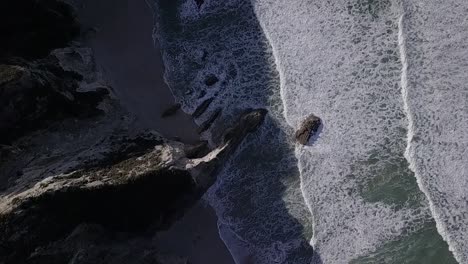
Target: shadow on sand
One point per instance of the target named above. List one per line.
(257, 196)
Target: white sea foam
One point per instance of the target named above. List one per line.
(437, 99)
(257, 196)
(340, 61)
(344, 61)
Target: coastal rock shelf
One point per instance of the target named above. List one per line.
(146, 191)
(37, 93)
(81, 180)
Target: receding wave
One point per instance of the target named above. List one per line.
(438, 98)
(350, 196)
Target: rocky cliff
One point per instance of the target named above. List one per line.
(79, 181)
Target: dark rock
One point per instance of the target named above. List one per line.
(150, 190)
(204, 55)
(249, 121)
(211, 80)
(10, 73)
(307, 129)
(33, 96)
(171, 110)
(202, 107)
(124, 148)
(92, 188)
(202, 93)
(207, 124)
(197, 151)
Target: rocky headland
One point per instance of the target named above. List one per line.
(80, 180)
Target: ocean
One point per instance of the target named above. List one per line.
(385, 180)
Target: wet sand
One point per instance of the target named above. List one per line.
(124, 49)
(195, 236)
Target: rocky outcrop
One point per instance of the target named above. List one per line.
(202, 107)
(198, 150)
(37, 93)
(308, 128)
(150, 190)
(209, 122)
(80, 182)
(211, 80)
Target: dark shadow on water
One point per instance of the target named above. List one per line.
(258, 193)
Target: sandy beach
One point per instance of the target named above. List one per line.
(124, 49)
(197, 237)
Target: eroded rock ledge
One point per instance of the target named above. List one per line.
(150, 190)
(79, 182)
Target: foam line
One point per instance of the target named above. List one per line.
(409, 152)
(285, 114)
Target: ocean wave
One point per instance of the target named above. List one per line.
(350, 194)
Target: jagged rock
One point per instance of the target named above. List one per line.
(207, 124)
(143, 191)
(307, 129)
(197, 151)
(92, 188)
(202, 107)
(171, 110)
(211, 80)
(10, 73)
(40, 92)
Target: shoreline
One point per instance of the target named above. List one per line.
(196, 236)
(121, 38)
(130, 59)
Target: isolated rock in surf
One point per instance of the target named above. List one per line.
(308, 128)
(211, 80)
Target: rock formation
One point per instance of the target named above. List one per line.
(211, 80)
(79, 181)
(149, 190)
(36, 93)
(308, 128)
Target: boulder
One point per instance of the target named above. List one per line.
(308, 128)
(198, 150)
(202, 107)
(211, 80)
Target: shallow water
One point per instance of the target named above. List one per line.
(437, 54)
(351, 195)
